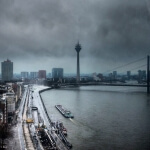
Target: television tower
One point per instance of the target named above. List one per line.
(78, 48)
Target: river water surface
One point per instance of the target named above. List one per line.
(105, 118)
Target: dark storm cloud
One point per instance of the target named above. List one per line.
(35, 27)
(107, 29)
(123, 29)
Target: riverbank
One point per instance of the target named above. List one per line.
(31, 122)
(44, 104)
(42, 112)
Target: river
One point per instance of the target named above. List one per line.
(105, 117)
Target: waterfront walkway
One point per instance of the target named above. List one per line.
(37, 102)
(24, 133)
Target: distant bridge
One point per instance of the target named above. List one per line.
(147, 83)
(102, 84)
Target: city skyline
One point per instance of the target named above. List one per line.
(74, 73)
(43, 34)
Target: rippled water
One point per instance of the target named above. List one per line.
(106, 118)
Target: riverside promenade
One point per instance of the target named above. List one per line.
(26, 133)
(38, 102)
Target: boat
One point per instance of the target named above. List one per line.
(61, 131)
(61, 128)
(58, 127)
(66, 113)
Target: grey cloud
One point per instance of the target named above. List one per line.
(125, 28)
(107, 29)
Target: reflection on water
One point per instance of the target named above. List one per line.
(106, 118)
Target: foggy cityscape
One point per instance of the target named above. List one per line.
(44, 33)
(75, 74)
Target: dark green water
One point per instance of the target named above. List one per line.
(106, 118)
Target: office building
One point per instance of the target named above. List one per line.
(7, 70)
(57, 73)
(33, 75)
(24, 75)
(42, 74)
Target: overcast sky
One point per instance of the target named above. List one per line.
(42, 34)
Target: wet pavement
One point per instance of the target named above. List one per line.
(38, 103)
(17, 142)
(14, 143)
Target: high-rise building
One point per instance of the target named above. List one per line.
(33, 75)
(42, 74)
(7, 70)
(25, 75)
(57, 73)
(78, 49)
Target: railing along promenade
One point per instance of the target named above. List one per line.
(59, 143)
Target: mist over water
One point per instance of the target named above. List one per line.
(105, 118)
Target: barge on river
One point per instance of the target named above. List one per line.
(66, 113)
